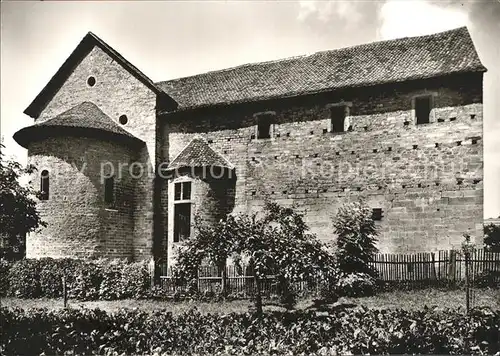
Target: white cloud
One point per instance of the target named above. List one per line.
(306, 9)
(326, 10)
(414, 18)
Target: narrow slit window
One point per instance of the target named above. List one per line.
(182, 221)
(337, 118)
(264, 126)
(109, 190)
(44, 185)
(423, 107)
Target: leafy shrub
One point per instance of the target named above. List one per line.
(287, 294)
(356, 238)
(328, 291)
(24, 279)
(86, 284)
(489, 278)
(356, 285)
(492, 237)
(51, 275)
(157, 293)
(85, 280)
(4, 276)
(352, 331)
(110, 284)
(135, 280)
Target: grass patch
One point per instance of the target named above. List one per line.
(408, 300)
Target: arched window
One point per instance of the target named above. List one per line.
(109, 190)
(44, 185)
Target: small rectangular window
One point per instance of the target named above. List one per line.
(182, 191)
(337, 118)
(264, 125)
(423, 107)
(182, 221)
(377, 214)
(177, 191)
(109, 190)
(186, 190)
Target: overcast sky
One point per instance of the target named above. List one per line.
(166, 40)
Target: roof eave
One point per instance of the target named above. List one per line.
(169, 172)
(479, 69)
(33, 133)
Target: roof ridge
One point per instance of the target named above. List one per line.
(202, 140)
(284, 59)
(86, 44)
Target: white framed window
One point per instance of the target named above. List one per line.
(182, 206)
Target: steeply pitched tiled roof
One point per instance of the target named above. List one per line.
(364, 65)
(198, 153)
(83, 117)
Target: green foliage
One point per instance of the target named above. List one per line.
(85, 280)
(86, 283)
(356, 285)
(356, 238)
(24, 279)
(278, 243)
(18, 214)
(110, 286)
(212, 243)
(492, 237)
(135, 280)
(341, 331)
(5, 266)
(487, 278)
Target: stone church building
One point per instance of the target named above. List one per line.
(125, 164)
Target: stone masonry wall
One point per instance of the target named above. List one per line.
(79, 222)
(426, 178)
(116, 92)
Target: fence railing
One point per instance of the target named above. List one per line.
(418, 269)
(441, 266)
(240, 282)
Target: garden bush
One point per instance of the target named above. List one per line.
(489, 278)
(356, 285)
(4, 276)
(356, 238)
(340, 331)
(110, 275)
(85, 280)
(135, 280)
(24, 279)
